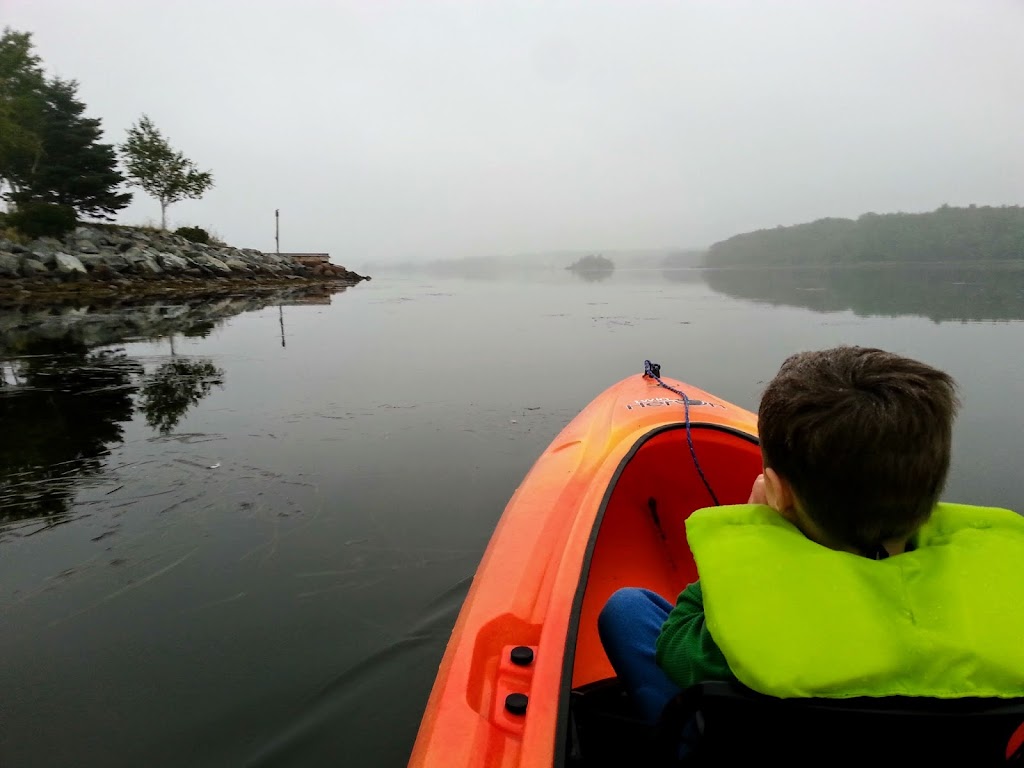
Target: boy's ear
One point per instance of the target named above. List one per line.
(778, 493)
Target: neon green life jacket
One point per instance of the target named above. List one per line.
(796, 619)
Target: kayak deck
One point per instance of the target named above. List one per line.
(602, 508)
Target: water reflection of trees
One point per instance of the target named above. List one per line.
(936, 292)
(61, 409)
(593, 275)
(173, 388)
(68, 387)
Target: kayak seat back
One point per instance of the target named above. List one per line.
(641, 541)
(738, 726)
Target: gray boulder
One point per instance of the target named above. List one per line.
(45, 245)
(142, 259)
(115, 261)
(43, 257)
(148, 265)
(173, 263)
(91, 260)
(87, 246)
(212, 262)
(33, 268)
(10, 265)
(67, 264)
(88, 233)
(237, 265)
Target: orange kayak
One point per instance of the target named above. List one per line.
(603, 507)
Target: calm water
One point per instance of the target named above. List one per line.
(239, 532)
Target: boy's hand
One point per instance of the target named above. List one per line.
(757, 492)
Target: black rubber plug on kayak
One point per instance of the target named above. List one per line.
(521, 655)
(516, 703)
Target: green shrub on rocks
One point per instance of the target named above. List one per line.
(43, 219)
(8, 232)
(12, 235)
(195, 234)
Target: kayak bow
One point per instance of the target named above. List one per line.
(603, 507)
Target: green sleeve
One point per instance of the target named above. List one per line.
(685, 648)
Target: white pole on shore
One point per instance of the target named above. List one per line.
(277, 249)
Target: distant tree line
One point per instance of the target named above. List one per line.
(972, 234)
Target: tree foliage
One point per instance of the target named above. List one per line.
(975, 233)
(50, 152)
(160, 170)
(21, 87)
(77, 170)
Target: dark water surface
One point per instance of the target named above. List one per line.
(220, 549)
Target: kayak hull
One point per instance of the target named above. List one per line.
(603, 507)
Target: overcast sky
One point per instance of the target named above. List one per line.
(387, 130)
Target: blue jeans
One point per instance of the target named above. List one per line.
(629, 625)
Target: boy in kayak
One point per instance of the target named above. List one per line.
(792, 599)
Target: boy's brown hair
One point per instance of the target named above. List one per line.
(863, 436)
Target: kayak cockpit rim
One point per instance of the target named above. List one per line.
(569, 658)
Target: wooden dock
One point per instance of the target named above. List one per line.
(309, 259)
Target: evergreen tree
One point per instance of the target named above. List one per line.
(21, 106)
(53, 153)
(76, 169)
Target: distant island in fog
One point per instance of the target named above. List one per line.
(484, 266)
(592, 263)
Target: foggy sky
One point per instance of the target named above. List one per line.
(387, 130)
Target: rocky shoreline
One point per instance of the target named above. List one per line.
(106, 261)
